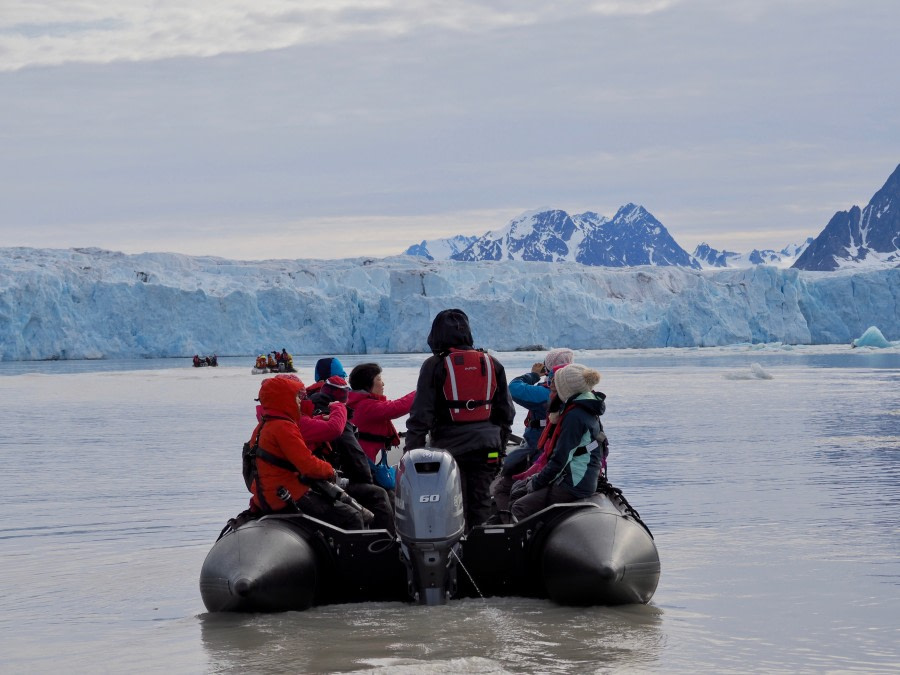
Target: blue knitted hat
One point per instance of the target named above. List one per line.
(327, 367)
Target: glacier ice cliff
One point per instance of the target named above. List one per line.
(91, 303)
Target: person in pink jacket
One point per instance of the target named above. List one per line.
(373, 413)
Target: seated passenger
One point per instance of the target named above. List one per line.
(529, 392)
(373, 412)
(284, 460)
(343, 451)
(523, 459)
(373, 415)
(576, 449)
(328, 366)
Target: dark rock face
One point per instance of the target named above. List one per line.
(859, 235)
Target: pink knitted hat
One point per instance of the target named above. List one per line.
(558, 357)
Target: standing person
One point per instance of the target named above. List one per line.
(462, 400)
(576, 449)
(283, 459)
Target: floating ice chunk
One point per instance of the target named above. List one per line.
(756, 372)
(759, 373)
(871, 338)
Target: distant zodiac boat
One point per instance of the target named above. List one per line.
(595, 552)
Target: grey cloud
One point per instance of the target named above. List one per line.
(756, 122)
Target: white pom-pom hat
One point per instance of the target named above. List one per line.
(574, 379)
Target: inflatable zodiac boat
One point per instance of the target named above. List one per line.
(596, 552)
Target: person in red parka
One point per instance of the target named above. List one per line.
(278, 437)
(373, 412)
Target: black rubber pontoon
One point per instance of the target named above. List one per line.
(596, 552)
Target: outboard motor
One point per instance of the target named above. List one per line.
(430, 521)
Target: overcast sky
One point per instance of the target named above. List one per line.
(338, 128)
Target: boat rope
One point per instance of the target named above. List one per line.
(381, 545)
(234, 523)
(615, 494)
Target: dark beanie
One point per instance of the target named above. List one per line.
(362, 377)
(336, 388)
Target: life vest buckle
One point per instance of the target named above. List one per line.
(470, 404)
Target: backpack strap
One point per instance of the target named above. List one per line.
(255, 452)
(375, 438)
(466, 405)
(269, 458)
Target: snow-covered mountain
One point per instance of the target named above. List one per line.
(632, 237)
(440, 249)
(857, 238)
(860, 237)
(548, 235)
(709, 257)
(90, 303)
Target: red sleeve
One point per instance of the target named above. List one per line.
(294, 448)
(391, 410)
(319, 430)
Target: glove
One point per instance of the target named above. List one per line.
(518, 490)
(529, 485)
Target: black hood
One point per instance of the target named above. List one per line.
(595, 405)
(450, 328)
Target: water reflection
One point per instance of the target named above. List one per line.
(508, 634)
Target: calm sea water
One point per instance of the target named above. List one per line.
(770, 477)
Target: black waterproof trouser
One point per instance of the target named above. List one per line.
(500, 488)
(476, 475)
(535, 501)
(376, 499)
(336, 513)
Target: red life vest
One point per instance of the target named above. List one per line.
(469, 384)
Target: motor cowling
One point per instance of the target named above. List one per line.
(430, 521)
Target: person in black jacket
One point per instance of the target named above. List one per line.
(475, 432)
(346, 455)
